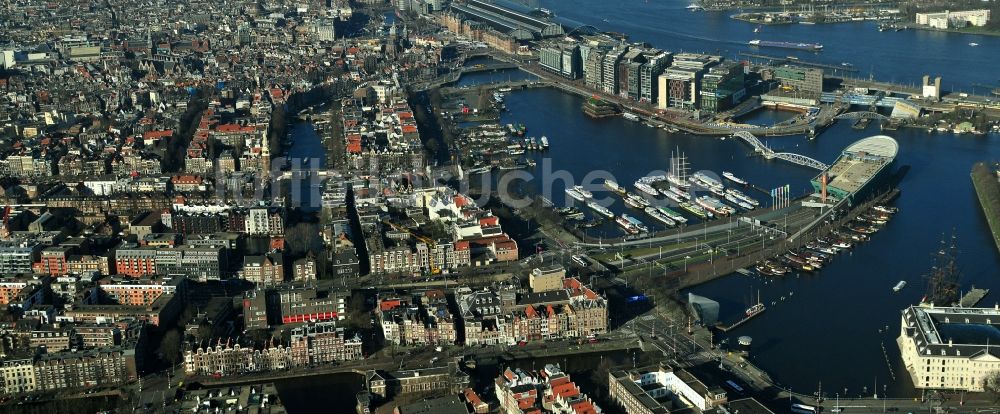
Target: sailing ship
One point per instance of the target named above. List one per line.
(942, 281)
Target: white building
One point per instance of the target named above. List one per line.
(17, 376)
(933, 358)
(6, 59)
(662, 390)
(946, 19)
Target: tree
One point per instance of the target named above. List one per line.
(991, 384)
(170, 346)
(303, 238)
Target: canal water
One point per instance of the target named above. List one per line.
(306, 153)
(902, 57)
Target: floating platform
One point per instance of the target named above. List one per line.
(973, 298)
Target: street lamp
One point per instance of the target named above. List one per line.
(686, 263)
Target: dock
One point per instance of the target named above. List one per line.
(973, 298)
(736, 324)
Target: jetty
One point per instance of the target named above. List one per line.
(742, 321)
(973, 298)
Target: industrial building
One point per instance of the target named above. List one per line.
(949, 348)
(516, 24)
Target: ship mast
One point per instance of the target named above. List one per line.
(943, 285)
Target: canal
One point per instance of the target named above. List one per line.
(307, 152)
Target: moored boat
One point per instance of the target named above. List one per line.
(715, 206)
(646, 188)
(655, 213)
(626, 225)
(613, 186)
(575, 194)
(636, 223)
(675, 216)
(695, 209)
(600, 209)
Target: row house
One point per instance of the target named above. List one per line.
(547, 391)
(90, 368)
(323, 342)
(311, 344)
(425, 321)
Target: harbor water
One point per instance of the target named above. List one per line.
(837, 320)
(842, 322)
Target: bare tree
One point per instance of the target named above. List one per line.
(991, 384)
(170, 346)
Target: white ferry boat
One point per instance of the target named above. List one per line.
(646, 188)
(600, 209)
(731, 177)
(575, 194)
(613, 186)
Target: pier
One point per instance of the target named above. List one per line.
(973, 297)
(745, 319)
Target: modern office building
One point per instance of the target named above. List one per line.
(562, 58)
(649, 75)
(800, 79)
(678, 88)
(722, 87)
(609, 71)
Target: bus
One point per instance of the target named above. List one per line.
(804, 409)
(734, 386)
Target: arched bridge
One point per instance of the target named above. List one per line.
(787, 156)
(861, 115)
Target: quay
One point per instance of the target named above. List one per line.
(779, 60)
(973, 298)
(988, 192)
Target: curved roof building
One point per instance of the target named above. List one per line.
(861, 168)
(519, 25)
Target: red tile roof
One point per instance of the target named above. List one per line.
(148, 135)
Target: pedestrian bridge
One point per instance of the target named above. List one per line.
(861, 115)
(768, 153)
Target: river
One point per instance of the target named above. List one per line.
(902, 57)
